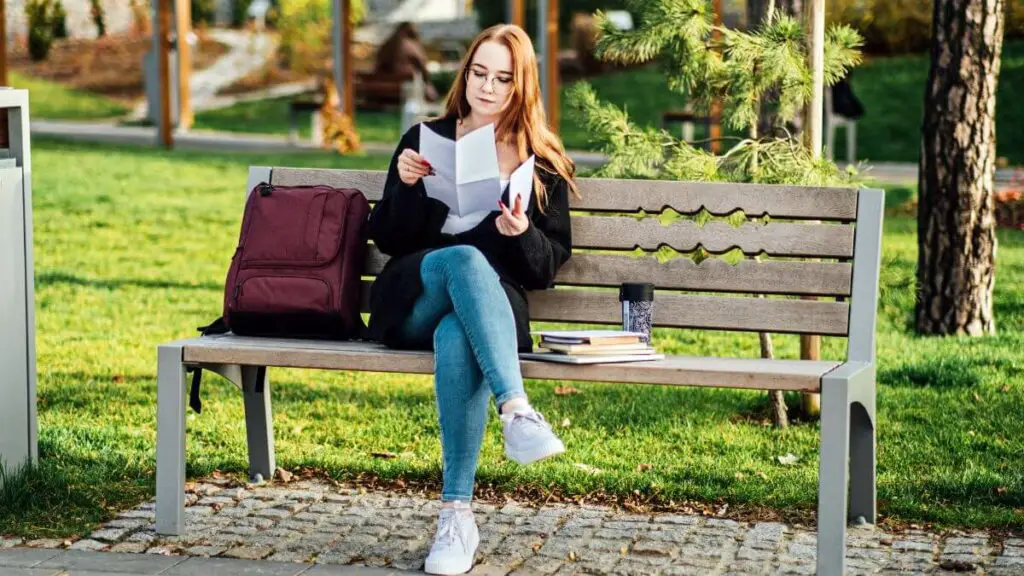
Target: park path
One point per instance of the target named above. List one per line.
(312, 523)
(247, 52)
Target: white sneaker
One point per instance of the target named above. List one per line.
(528, 437)
(454, 544)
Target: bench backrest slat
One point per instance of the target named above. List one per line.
(686, 311)
(805, 247)
(712, 275)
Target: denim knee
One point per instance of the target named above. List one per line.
(460, 261)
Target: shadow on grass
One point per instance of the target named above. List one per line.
(58, 277)
(942, 372)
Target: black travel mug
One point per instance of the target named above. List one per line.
(637, 307)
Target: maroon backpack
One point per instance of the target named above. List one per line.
(296, 271)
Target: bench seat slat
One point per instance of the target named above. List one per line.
(750, 373)
(711, 275)
(606, 195)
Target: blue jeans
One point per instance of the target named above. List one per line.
(465, 310)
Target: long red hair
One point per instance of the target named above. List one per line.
(523, 122)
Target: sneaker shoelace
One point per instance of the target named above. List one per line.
(451, 529)
(533, 420)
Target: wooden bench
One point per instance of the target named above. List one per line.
(821, 242)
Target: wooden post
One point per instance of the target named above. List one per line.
(165, 129)
(183, 12)
(515, 12)
(551, 69)
(3, 43)
(343, 56)
(810, 345)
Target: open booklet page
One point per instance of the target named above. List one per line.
(467, 178)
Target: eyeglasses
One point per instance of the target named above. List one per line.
(499, 84)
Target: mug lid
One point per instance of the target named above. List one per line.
(636, 292)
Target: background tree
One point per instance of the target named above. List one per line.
(956, 213)
(741, 69)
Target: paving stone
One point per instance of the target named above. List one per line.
(560, 548)
(542, 565)
(1004, 561)
(205, 550)
(128, 523)
(249, 552)
(144, 536)
(489, 570)
(90, 545)
(1013, 551)
(9, 542)
(240, 512)
(162, 550)
(905, 545)
(144, 514)
(630, 525)
(676, 536)
(273, 513)
(608, 545)
(217, 501)
(655, 548)
(298, 556)
(616, 534)
(517, 510)
(130, 547)
(45, 543)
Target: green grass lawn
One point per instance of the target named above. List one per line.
(892, 91)
(131, 251)
(55, 101)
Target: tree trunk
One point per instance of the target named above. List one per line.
(956, 212)
(776, 399)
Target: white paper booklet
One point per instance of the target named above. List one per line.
(467, 177)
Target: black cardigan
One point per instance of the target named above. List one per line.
(406, 225)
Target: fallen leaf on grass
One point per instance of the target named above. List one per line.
(788, 460)
(739, 475)
(385, 455)
(588, 468)
(644, 467)
(762, 475)
(565, 390)
(566, 423)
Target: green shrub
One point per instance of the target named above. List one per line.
(902, 26)
(203, 11)
(60, 24)
(305, 27)
(99, 18)
(43, 17)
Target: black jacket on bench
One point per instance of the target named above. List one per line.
(406, 225)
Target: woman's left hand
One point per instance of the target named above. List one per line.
(512, 222)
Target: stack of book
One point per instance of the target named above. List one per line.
(593, 347)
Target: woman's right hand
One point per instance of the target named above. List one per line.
(412, 167)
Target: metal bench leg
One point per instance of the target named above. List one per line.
(847, 466)
(170, 441)
(862, 450)
(833, 477)
(259, 425)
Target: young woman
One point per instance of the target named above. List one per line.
(457, 285)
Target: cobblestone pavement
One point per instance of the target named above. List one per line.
(314, 522)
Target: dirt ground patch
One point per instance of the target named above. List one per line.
(111, 66)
